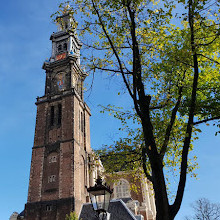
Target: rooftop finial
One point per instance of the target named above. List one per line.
(66, 8)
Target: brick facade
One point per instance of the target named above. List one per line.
(59, 167)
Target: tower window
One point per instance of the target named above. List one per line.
(59, 47)
(52, 116)
(65, 25)
(59, 114)
(53, 159)
(51, 178)
(48, 207)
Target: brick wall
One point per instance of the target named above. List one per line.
(68, 142)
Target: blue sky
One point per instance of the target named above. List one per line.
(25, 28)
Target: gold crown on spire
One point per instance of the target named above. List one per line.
(66, 8)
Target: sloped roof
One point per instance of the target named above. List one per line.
(117, 209)
(21, 214)
(125, 200)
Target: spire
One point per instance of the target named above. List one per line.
(66, 21)
(63, 68)
(65, 42)
(66, 8)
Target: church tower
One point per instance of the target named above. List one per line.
(59, 166)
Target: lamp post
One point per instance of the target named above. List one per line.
(100, 196)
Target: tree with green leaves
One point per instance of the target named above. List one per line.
(72, 216)
(167, 55)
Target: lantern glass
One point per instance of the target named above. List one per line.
(107, 198)
(98, 200)
(94, 202)
(100, 196)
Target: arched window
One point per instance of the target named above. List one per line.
(83, 177)
(65, 25)
(59, 114)
(59, 47)
(49, 208)
(65, 46)
(51, 178)
(122, 189)
(52, 158)
(51, 115)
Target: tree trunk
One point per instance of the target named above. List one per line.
(159, 185)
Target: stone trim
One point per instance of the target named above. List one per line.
(58, 142)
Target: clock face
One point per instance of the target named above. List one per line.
(61, 81)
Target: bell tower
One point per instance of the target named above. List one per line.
(59, 166)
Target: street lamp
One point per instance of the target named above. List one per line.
(100, 196)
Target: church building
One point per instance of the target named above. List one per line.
(62, 162)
